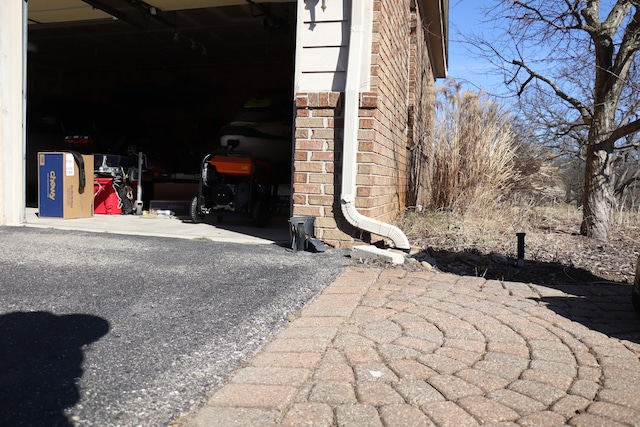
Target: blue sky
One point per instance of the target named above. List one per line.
(466, 17)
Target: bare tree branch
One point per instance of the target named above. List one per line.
(582, 109)
(630, 43)
(574, 11)
(541, 17)
(630, 147)
(623, 131)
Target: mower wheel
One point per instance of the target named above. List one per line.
(194, 210)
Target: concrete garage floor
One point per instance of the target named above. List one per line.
(233, 230)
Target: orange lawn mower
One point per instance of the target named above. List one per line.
(233, 183)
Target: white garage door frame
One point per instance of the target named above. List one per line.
(13, 23)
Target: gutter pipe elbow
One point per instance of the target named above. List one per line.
(355, 218)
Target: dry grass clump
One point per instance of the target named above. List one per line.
(474, 165)
(487, 184)
(473, 152)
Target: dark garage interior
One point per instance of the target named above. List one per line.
(163, 82)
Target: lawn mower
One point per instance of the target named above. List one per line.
(233, 183)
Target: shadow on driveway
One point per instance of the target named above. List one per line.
(41, 357)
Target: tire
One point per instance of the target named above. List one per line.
(194, 210)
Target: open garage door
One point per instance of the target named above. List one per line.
(165, 77)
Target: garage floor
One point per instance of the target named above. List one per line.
(236, 230)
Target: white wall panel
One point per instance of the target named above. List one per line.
(323, 82)
(324, 59)
(322, 40)
(336, 11)
(326, 34)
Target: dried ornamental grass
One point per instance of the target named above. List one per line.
(473, 151)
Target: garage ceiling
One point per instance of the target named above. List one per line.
(47, 11)
(100, 33)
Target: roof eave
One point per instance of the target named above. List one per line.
(436, 18)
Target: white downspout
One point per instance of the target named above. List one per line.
(351, 126)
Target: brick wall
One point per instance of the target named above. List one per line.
(317, 164)
(390, 65)
(420, 115)
(389, 125)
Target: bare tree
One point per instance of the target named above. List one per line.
(583, 52)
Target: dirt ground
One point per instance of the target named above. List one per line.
(554, 254)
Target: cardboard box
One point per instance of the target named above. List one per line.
(60, 194)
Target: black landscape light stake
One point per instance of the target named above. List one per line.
(520, 237)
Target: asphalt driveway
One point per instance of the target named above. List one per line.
(104, 329)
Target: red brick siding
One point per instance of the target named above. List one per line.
(421, 114)
(316, 160)
(390, 65)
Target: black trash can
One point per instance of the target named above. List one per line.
(301, 230)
